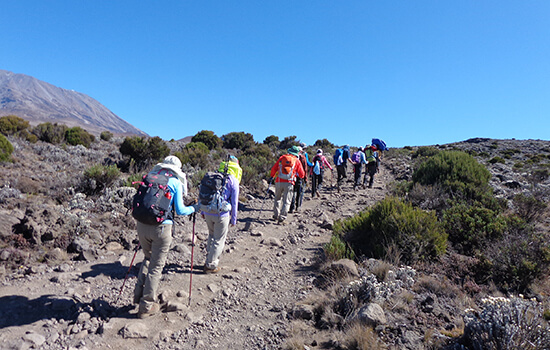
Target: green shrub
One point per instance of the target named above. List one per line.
(471, 228)
(12, 125)
(256, 163)
(194, 154)
(133, 178)
(272, 141)
(497, 159)
(324, 144)
(144, 151)
(288, 142)
(393, 223)
(425, 152)
(238, 140)
(99, 177)
(106, 136)
(529, 208)
(458, 173)
(6, 149)
(78, 136)
(208, 138)
(51, 133)
(338, 249)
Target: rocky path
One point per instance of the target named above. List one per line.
(266, 269)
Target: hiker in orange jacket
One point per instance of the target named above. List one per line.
(285, 171)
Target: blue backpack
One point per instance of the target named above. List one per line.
(338, 160)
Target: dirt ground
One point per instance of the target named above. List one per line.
(266, 269)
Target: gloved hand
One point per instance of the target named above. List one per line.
(197, 207)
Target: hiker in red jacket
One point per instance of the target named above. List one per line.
(285, 171)
(317, 170)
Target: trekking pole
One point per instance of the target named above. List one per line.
(192, 253)
(128, 272)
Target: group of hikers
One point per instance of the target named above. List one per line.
(162, 191)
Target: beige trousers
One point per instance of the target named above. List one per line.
(218, 226)
(155, 241)
(283, 199)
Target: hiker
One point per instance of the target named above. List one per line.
(300, 184)
(156, 239)
(358, 159)
(341, 159)
(373, 161)
(317, 171)
(285, 171)
(218, 221)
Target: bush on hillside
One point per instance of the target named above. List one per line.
(472, 227)
(425, 152)
(529, 208)
(415, 233)
(99, 177)
(459, 174)
(78, 136)
(106, 136)
(288, 142)
(50, 133)
(208, 138)
(194, 154)
(238, 140)
(144, 151)
(324, 144)
(6, 149)
(256, 163)
(272, 141)
(12, 125)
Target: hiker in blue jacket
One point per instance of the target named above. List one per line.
(341, 159)
(358, 159)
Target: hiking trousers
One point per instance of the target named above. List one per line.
(283, 198)
(218, 227)
(371, 170)
(341, 171)
(316, 182)
(297, 194)
(155, 241)
(357, 168)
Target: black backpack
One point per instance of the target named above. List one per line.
(211, 193)
(151, 203)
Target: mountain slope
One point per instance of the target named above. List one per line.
(39, 102)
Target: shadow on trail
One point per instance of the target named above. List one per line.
(17, 310)
(114, 270)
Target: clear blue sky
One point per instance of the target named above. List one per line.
(409, 72)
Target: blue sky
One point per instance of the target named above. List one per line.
(410, 72)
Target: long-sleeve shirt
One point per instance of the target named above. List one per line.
(176, 190)
(231, 195)
(323, 163)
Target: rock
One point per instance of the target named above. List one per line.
(182, 249)
(272, 241)
(79, 245)
(213, 288)
(63, 303)
(83, 317)
(173, 306)
(256, 234)
(372, 314)
(345, 266)
(34, 338)
(113, 246)
(136, 330)
(303, 311)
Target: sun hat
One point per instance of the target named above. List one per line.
(294, 150)
(173, 164)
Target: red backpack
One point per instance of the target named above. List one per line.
(287, 163)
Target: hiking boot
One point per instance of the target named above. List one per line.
(281, 222)
(212, 270)
(153, 310)
(274, 217)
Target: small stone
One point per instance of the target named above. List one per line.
(34, 338)
(272, 241)
(113, 246)
(136, 330)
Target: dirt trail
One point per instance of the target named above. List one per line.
(266, 269)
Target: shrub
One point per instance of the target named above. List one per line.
(78, 136)
(528, 208)
(324, 144)
(208, 138)
(272, 141)
(99, 177)
(6, 149)
(144, 151)
(338, 249)
(12, 125)
(288, 142)
(392, 222)
(424, 152)
(51, 133)
(106, 136)
(497, 159)
(471, 228)
(238, 140)
(459, 174)
(256, 163)
(195, 154)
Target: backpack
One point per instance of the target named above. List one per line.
(338, 157)
(381, 145)
(287, 163)
(317, 168)
(151, 203)
(356, 157)
(370, 155)
(211, 193)
(233, 168)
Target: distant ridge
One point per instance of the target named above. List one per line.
(39, 102)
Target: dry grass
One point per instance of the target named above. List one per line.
(360, 337)
(297, 337)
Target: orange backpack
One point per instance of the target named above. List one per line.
(287, 163)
